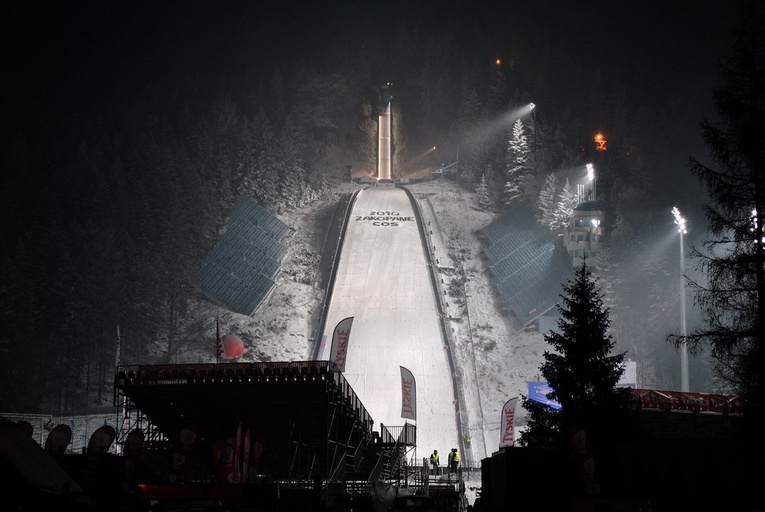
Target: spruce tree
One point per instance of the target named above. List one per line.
(546, 201)
(732, 299)
(564, 209)
(517, 163)
(482, 190)
(581, 370)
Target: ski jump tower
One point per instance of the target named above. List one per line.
(384, 130)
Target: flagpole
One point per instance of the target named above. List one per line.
(117, 358)
(218, 342)
(117, 362)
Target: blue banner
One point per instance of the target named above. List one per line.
(538, 392)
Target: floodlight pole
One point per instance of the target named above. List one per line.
(684, 379)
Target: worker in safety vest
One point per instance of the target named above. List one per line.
(454, 460)
(434, 461)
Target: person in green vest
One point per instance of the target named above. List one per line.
(454, 461)
(435, 462)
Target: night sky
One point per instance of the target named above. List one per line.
(69, 58)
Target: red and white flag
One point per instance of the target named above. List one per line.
(408, 395)
(507, 423)
(219, 341)
(340, 345)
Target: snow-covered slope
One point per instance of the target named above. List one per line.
(383, 281)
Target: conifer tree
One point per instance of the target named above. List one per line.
(564, 209)
(733, 298)
(581, 370)
(546, 201)
(482, 190)
(517, 163)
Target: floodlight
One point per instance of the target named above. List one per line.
(680, 221)
(684, 380)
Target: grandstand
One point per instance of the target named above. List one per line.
(306, 421)
(529, 271)
(239, 272)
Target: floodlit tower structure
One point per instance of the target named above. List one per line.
(683, 230)
(384, 140)
(583, 236)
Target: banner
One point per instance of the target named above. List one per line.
(58, 439)
(183, 448)
(101, 440)
(340, 345)
(256, 457)
(507, 423)
(538, 392)
(236, 477)
(246, 454)
(408, 395)
(585, 460)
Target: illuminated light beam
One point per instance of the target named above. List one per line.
(423, 154)
(502, 122)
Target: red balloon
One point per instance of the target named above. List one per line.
(233, 346)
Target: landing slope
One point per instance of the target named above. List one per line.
(382, 280)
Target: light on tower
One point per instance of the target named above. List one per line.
(680, 221)
(683, 230)
(600, 142)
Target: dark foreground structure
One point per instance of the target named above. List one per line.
(281, 436)
(293, 436)
(261, 436)
(687, 456)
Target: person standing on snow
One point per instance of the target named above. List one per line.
(435, 462)
(454, 461)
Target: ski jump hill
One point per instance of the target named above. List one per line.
(383, 280)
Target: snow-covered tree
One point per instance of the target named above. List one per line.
(482, 190)
(564, 209)
(547, 201)
(517, 163)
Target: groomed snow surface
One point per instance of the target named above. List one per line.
(494, 357)
(383, 281)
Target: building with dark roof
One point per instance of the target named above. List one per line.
(530, 264)
(240, 271)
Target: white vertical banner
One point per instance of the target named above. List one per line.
(408, 395)
(340, 345)
(507, 423)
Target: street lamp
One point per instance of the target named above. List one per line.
(533, 108)
(681, 228)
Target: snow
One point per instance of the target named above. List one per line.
(494, 357)
(383, 282)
